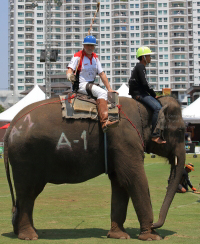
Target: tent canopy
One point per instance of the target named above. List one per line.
(123, 91)
(34, 96)
(191, 114)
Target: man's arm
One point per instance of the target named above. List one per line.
(143, 80)
(105, 81)
(189, 182)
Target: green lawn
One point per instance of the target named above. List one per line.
(81, 213)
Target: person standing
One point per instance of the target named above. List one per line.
(82, 71)
(140, 89)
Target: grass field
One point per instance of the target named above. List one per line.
(81, 213)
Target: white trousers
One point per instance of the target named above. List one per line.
(97, 91)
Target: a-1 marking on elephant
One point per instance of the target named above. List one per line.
(64, 142)
(37, 158)
(16, 132)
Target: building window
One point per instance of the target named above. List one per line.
(39, 7)
(20, 28)
(20, 80)
(39, 36)
(20, 14)
(20, 43)
(39, 80)
(20, 72)
(20, 6)
(20, 21)
(20, 66)
(20, 58)
(39, 73)
(39, 29)
(20, 50)
(39, 14)
(39, 22)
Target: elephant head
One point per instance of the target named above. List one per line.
(174, 150)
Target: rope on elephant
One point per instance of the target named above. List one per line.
(57, 101)
(121, 111)
(141, 123)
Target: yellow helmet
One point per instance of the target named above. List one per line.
(142, 51)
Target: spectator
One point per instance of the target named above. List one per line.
(185, 180)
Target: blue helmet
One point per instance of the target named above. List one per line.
(90, 40)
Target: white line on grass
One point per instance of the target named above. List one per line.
(6, 196)
(67, 216)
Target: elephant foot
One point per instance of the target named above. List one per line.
(151, 235)
(29, 234)
(117, 233)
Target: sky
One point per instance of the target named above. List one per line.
(4, 45)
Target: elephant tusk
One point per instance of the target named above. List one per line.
(176, 161)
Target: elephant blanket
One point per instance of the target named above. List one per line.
(79, 106)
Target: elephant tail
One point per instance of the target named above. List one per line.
(6, 163)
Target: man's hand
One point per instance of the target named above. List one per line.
(111, 90)
(194, 189)
(71, 77)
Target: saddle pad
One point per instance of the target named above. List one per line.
(80, 105)
(79, 109)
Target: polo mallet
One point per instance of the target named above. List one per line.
(78, 64)
(95, 14)
(97, 10)
(198, 190)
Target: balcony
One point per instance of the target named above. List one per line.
(29, 37)
(178, 13)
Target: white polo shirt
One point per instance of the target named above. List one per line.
(88, 68)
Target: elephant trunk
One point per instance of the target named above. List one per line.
(177, 166)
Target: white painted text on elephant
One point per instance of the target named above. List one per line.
(64, 142)
(24, 125)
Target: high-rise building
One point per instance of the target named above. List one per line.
(170, 28)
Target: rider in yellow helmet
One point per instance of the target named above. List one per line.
(140, 89)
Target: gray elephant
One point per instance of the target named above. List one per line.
(43, 148)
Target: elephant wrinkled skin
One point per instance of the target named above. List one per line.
(42, 148)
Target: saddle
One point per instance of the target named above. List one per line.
(79, 106)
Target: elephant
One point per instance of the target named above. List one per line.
(41, 147)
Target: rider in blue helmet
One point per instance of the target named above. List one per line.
(87, 65)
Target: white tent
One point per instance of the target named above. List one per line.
(191, 114)
(123, 91)
(33, 96)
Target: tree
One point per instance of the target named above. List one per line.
(1, 108)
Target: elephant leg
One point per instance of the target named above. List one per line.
(119, 204)
(139, 192)
(23, 214)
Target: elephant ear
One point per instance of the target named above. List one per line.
(161, 119)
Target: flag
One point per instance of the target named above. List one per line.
(5, 126)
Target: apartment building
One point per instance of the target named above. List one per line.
(170, 28)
